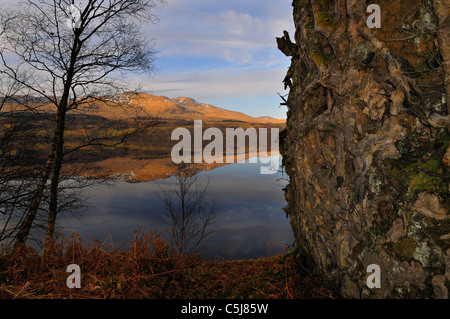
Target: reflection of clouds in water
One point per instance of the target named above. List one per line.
(242, 182)
(250, 221)
(118, 211)
(244, 241)
(250, 232)
(266, 213)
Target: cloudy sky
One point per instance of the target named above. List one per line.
(222, 53)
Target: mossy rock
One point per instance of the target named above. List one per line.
(405, 248)
(320, 58)
(421, 181)
(326, 21)
(423, 174)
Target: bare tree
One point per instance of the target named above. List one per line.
(15, 190)
(190, 213)
(73, 57)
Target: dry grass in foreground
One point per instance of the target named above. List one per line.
(148, 270)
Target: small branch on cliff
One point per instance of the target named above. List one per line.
(283, 98)
(287, 81)
(285, 45)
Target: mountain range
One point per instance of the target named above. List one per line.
(148, 105)
(186, 108)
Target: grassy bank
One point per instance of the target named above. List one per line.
(146, 269)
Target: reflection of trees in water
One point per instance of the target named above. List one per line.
(15, 197)
(17, 177)
(21, 158)
(189, 212)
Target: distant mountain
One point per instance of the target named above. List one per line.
(180, 108)
(269, 119)
(186, 108)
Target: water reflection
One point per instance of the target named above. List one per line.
(250, 225)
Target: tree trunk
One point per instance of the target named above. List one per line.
(367, 145)
(53, 205)
(54, 163)
(59, 147)
(27, 223)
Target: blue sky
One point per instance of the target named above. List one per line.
(222, 53)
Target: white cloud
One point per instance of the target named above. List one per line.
(223, 31)
(219, 83)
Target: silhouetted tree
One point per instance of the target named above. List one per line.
(190, 213)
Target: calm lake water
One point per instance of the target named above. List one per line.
(251, 223)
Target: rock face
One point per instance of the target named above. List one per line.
(367, 144)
